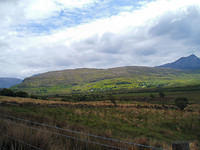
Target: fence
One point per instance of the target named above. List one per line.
(104, 142)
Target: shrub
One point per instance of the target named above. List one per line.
(152, 96)
(21, 94)
(34, 97)
(112, 99)
(7, 92)
(181, 102)
(161, 94)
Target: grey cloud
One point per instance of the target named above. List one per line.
(180, 26)
(147, 52)
(172, 36)
(3, 47)
(110, 43)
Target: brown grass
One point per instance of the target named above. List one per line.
(13, 134)
(106, 103)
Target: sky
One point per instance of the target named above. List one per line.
(37, 36)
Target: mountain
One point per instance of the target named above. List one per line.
(191, 62)
(8, 82)
(95, 80)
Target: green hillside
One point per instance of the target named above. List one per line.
(95, 80)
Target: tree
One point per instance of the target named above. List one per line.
(34, 96)
(7, 92)
(112, 99)
(21, 94)
(181, 102)
(161, 94)
(152, 96)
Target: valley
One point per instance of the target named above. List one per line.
(152, 107)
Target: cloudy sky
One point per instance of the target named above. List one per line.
(43, 35)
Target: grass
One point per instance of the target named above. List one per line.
(132, 121)
(21, 137)
(192, 96)
(138, 117)
(112, 84)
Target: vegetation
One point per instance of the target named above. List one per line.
(103, 80)
(22, 137)
(181, 102)
(137, 104)
(9, 92)
(152, 96)
(161, 94)
(131, 116)
(130, 119)
(112, 99)
(21, 94)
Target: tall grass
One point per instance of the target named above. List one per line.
(22, 137)
(149, 124)
(18, 136)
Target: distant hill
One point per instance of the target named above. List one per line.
(191, 62)
(87, 75)
(99, 80)
(8, 82)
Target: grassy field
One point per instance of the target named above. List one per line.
(148, 123)
(113, 84)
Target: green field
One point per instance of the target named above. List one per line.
(103, 80)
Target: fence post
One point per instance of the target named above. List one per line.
(180, 146)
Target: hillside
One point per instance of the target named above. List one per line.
(95, 80)
(191, 62)
(8, 82)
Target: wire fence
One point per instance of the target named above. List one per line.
(70, 137)
(21, 142)
(75, 133)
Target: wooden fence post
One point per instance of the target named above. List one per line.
(180, 146)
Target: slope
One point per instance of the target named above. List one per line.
(191, 62)
(95, 80)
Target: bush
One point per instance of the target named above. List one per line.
(7, 92)
(161, 94)
(34, 96)
(112, 99)
(181, 102)
(21, 94)
(152, 96)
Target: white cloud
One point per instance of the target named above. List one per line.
(41, 9)
(75, 3)
(133, 37)
(125, 21)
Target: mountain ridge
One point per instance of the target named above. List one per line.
(100, 80)
(9, 82)
(191, 62)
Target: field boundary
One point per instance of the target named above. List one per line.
(17, 120)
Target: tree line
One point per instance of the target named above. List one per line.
(8, 92)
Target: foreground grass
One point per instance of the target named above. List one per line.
(18, 136)
(157, 124)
